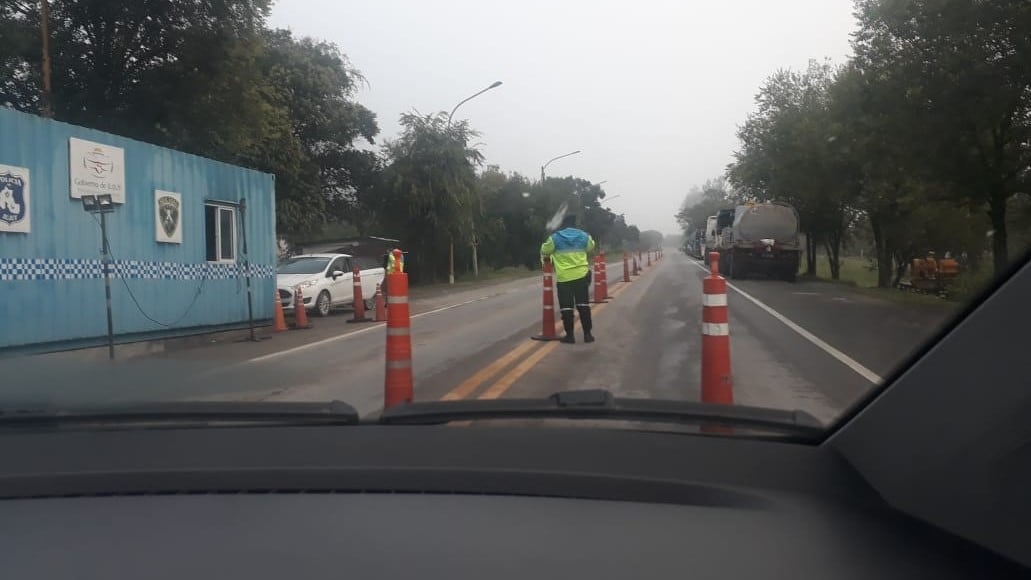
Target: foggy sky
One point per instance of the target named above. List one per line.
(652, 91)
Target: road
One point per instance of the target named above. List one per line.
(812, 346)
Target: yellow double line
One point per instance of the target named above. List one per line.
(536, 352)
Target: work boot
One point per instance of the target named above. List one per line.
(588, 337)
(585, 321)
(568, 326)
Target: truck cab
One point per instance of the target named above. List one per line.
(709, 241)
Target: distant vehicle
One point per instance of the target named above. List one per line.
(759, 238)
(709, 241)
(932, 275)
(326, 280)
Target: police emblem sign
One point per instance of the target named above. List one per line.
(168, 217)
(14, 199)
(96, 169)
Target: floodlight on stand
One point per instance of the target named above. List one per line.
(105, 202)
(89, 203)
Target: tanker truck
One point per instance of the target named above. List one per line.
(759, 238)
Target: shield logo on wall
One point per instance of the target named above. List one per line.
(169, 208)
(14, 199)
(168, 214)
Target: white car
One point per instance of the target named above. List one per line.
(326, 280)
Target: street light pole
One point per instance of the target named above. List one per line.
(545, 166)
(451, 250)
(106, 261)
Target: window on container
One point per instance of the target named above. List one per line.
(220, 233)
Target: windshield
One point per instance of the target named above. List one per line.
(771, 205)
(302, 266)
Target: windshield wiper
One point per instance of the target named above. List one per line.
(600, 404)
(187, 413)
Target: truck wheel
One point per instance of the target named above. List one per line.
(733, 269)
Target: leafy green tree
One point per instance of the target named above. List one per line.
(968, 94)
(784, 156)
(207, 78)
(428, 193)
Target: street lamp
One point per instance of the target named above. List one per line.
(451, 258)
(545, 166)
(103, 205)
(493, 85)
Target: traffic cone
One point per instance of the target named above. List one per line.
(604, 276)
(649, 258)
(300, 314)
(717, 384)
(278, 320)
(637, 269)
(381, 306)
(398, 381)
(626, 268)
(548, 313)
(598, 296)
(359, 299)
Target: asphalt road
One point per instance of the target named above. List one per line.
(810, 345)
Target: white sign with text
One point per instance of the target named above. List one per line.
(96, 169)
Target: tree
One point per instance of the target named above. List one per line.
(427, 195)
(314, 86)
(969, 94)
(784, 156)
(207, 78)
(704, 201)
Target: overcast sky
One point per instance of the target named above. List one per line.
(651, 91)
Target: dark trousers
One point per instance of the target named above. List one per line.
(573, 296)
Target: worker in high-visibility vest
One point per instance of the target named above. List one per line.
(568, 249)
(391, 261)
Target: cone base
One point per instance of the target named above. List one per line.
(352, 320)
(545, 338)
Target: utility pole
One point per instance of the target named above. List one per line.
(47, 105)
(476, 266)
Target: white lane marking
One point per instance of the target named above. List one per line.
(837, 354)
(715, 329)
(714, 299)
(353, 334)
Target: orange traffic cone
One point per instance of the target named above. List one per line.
(548, 314)
(717, 384)
(300, 314)
(398, 382)
(604, 276)
(359, 299)
(278, 320)
(626, 268)
(381, 306)
(597, 297)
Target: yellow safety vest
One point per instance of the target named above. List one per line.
(568, 249)
(391, 260)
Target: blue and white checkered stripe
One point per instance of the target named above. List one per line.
(82, 269)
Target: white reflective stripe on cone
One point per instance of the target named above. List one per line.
(714, 299)
(715, 329)
(397, 300)
(399, 364)
(399, 331)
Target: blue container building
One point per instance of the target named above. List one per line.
(176, 235)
